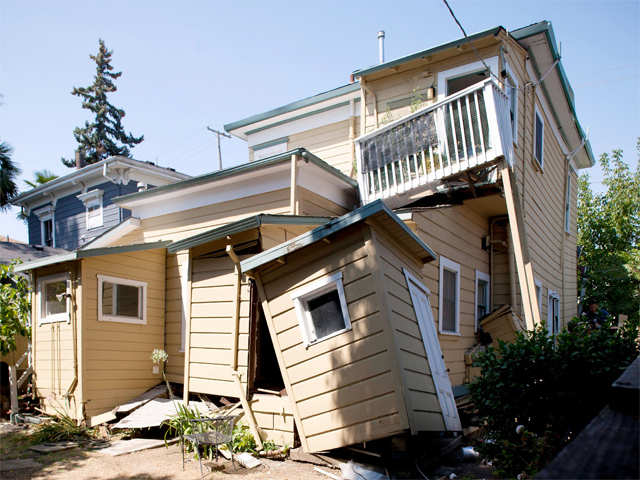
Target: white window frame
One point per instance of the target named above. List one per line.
(538, 284)
(509, 89)
(44, 214)
(551, 296)
(485, 277)
(102, 317)
(313, 290)
(461, 71)
(58, 317)
(89, 199)
(446, 264)
(537, 114)
(567, 206)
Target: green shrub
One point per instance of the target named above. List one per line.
(61, 428)
(243, 440)
(551, 386)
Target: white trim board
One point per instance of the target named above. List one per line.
(58, 317)
(482, 276)
(142, 300)
(462, 70)
(452, 266)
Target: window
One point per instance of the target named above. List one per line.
(567, 206)
(511, 89)
(553, 313)
(47, 230)
(538, 285)
(458, 78)
(54, 298)
(483, 302)
(538, 145)
(93, 204)
(322, 309)
(121, 300)
(449, 298)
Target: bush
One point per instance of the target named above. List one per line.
(550, 387)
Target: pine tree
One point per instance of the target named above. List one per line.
(105, 135)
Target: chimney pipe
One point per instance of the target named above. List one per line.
(79, 159)
(381, 46)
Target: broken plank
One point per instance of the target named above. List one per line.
(140, 400)
(157, 411)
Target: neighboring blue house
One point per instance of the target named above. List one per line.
(72, 210)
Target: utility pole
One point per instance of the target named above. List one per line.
(218, 133)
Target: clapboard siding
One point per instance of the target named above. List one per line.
(117, 356)
(174, 315)
(317, 205)
(212, 325)
(70, 217)
(345, 388)
(274, 417)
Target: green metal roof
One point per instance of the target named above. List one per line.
(546, 28)
(305, 102)
(243, 225)
(91, 252)
(239, 169)
(425, 53)
(376, 208)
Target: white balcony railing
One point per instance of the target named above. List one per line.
(463, 131)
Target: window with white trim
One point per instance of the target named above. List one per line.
(94, 209)
(511, 89)
(47, 230)
(449, 298)
(122, 300)
(55, 303)
(483, 295)
(538, 138)
(538, 285)
(567, 206)
(322, 310)
(553, 313)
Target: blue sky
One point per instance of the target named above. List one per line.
(187, 65)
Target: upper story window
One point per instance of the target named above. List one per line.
(322, 310)
(511, 89)
(54, 298)
(538, 139)
(483, 297)
(567, 206)
(47, 230)
(94, 209)
(458, 78)
(449, 298)
(121, 300)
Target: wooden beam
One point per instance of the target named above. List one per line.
(236, 305)
(247, 409)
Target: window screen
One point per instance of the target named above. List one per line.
(326, 314)
(449, 282)
(55, 298)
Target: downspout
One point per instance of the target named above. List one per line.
(74, 326)
(236, 305)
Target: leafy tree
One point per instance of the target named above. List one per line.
(609, 236)
(105, 135)
(8, 173)
(536, 394)
(15, 305)
(41, 177)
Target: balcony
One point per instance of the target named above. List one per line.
(463, 133)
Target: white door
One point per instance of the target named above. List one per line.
(422, 307)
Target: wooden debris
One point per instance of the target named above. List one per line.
(122, 447)
(53, 447)
(146, 397)
(247, 460)
(157, 411)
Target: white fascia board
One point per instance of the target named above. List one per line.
(253, 182)
(308, 110)
(323, 183)
(107, 238)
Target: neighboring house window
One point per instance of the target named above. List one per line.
(47, 230)
(93, 204)
(54, 291)
(483, 302)
(553, 313)
(449, 298)
(268, 149)
(538, 140)
(321, 308)
(121, 300)
(567, 206)
(511, 89)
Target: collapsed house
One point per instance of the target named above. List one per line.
(329, 286)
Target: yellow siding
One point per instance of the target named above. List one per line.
(455, 233)
(174, 315)
(117, 356)
(212, 324)
(344, 389)
(274, 416)
(317, 205)
(330, 142)
(53, 355)
(420, 393)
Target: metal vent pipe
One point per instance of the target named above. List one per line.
(381, 46)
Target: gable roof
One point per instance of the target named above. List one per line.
(243, 225)
(232, 171)
(375, 210)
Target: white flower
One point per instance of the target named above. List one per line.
(159, 356)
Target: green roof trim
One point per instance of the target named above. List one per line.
(324, 231)
(91, 252)
(270, 143)
(425, 53)
(237, 170)
(243, 225)
(289, 107)
(546, 28)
